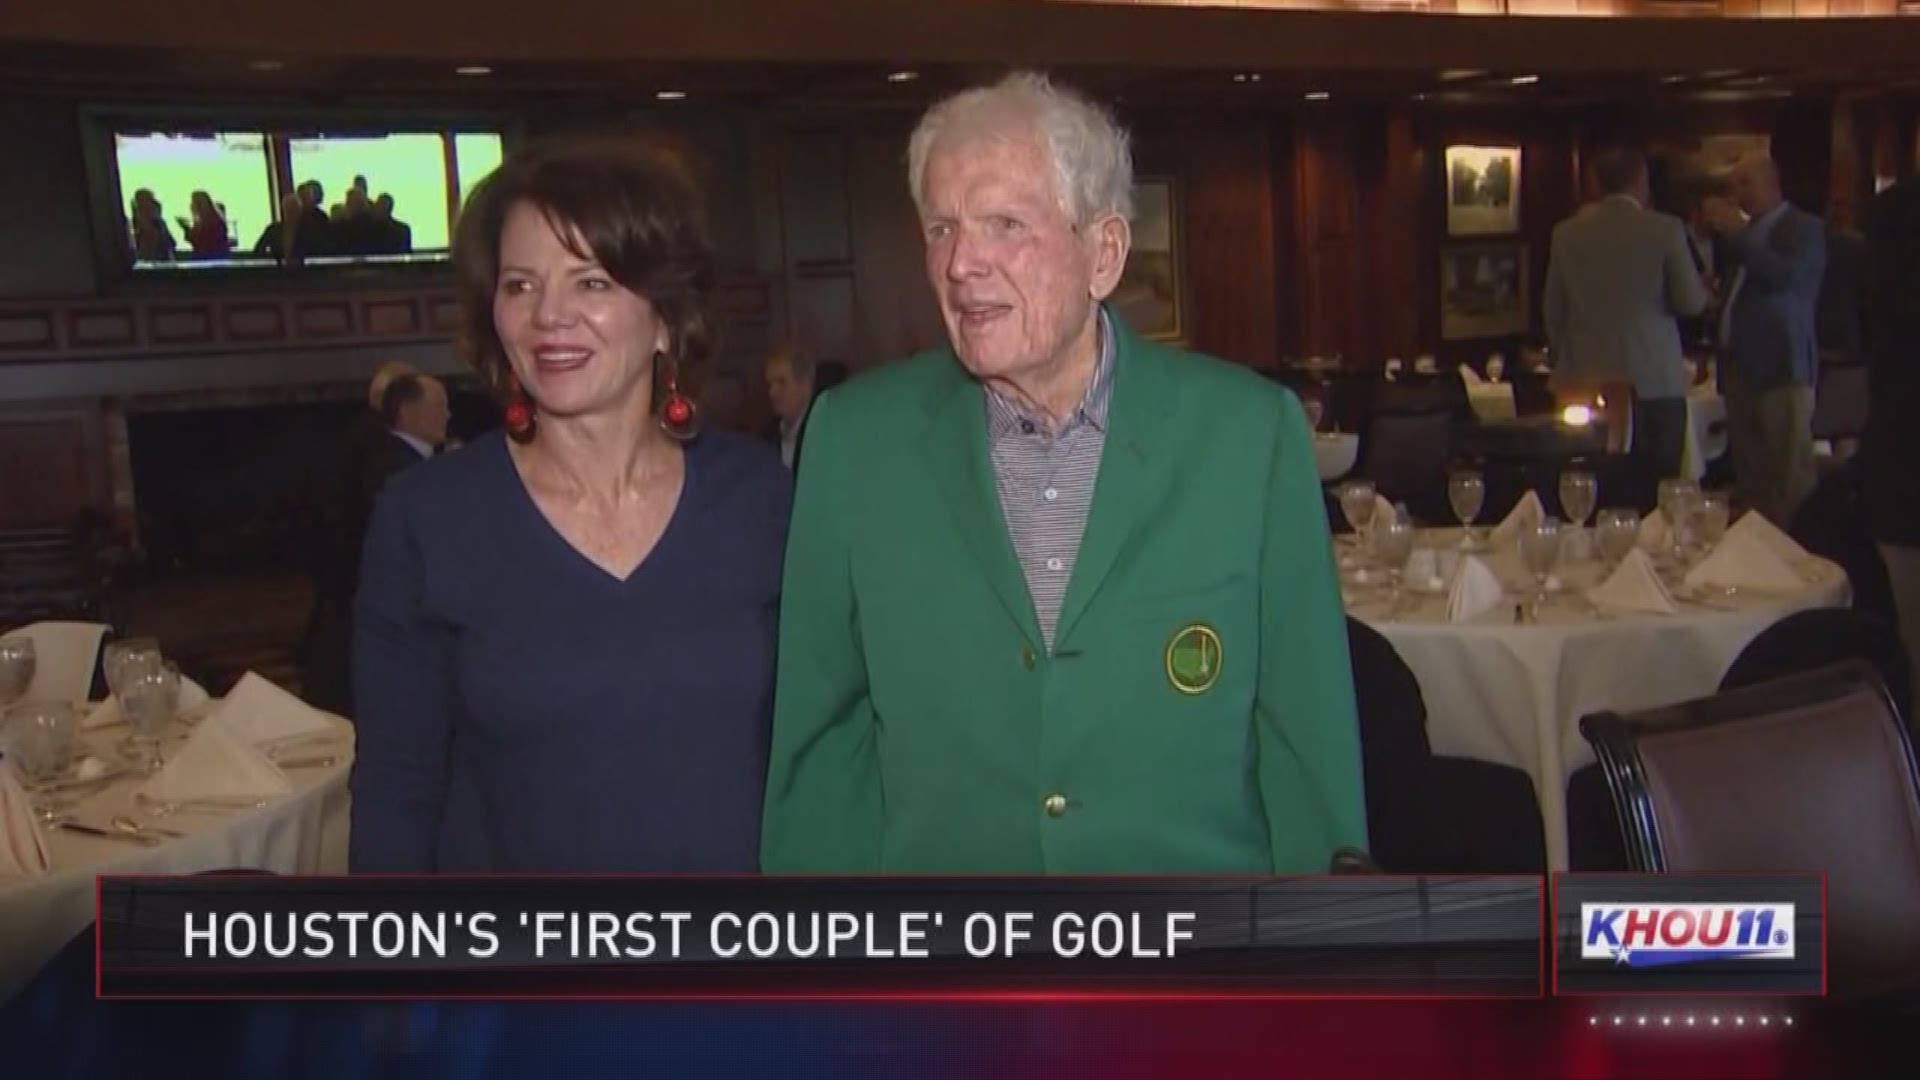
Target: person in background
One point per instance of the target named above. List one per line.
(207, 232)
(415, 410)
(791, 390)
(985, 666)
(152, 240)
(1700, 334)
(564, 633)
(394, 237)
(316, 229)
(1890, 450)
(1840, 316)
(1769, 352)
(281, 239)
(1619, 277)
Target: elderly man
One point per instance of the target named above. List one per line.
(790, 389)
(988, 662)
(1769, 348)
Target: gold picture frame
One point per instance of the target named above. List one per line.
(1150, 295)
(1483, 190)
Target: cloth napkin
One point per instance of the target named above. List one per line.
(1469, 376)
(23, 847)
(216, 763)
(1744, 560)
(64, 656)
(1475, 591)
(107, 713)
(1634, 586)
(1425, 365)
(1653, 532)
(1392, 369)
(1492, 402)
(261, 713)
(1525, 515)
(1767, 533)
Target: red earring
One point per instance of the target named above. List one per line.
(678, 416)
(519, 415)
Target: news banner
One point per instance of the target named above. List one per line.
(254, 936)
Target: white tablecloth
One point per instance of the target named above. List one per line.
(1514, 694)
(303, 833)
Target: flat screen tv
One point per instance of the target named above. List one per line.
(193, 199)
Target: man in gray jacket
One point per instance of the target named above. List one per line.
(1770, 351)
(1619, 279)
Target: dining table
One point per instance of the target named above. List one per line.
(1510, 684)
(302, 831)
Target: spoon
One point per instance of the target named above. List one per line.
(153, 807)
(133, 828)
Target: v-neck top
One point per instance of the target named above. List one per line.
(523, 710)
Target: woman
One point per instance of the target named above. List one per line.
(563, 651)
(152, 240)
(207, 232)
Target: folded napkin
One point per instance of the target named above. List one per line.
(216, 763)
(1525, 515)
(107, 713)
(1392, 369)
(1768, 534)
(23, 848)
(1492, 402)
(1425, 365)
(1653, 532)
(262, 713)
(64, 656)
(1743, 560)
(1469, 376)
(1496, 367)
(1475, 591)
(1634, 586)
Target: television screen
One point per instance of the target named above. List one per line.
(200, 199)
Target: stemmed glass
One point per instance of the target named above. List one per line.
(1539, 551)
(40, 739)
(1392, 547)
(1579, 494)
(1678, 500)
(17, 665)
(1711, 514)
(1356, 505)
(1616, 530)
(1467, 493)
(149, 697)
(125, 662)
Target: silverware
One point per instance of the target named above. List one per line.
(307, 762)
(143, 839)
(133, 828)
(153, 807)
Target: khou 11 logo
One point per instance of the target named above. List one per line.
(1662, 934)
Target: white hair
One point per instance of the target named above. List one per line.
(1092, 166)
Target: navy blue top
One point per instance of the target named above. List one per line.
(522, 710)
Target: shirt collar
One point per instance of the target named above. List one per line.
(789, 427)
(1004, 414)
(420, 446)
(1621, 196)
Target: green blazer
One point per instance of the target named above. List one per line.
(921, 727)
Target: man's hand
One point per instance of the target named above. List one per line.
(1722, 216)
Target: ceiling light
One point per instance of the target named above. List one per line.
(1525, 80)
(1457, 74)
(473, 69)
(1671, 79)
(267, 65)
(902, 76)
(1318, 95)
(670, 95)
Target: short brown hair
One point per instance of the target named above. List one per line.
(1617, 168)
(636, 211)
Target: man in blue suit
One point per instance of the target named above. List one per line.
(1769, 349)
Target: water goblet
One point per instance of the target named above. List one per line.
(1392, 546)
(1616, 531)
(150, 698)
(1356, 505)
(1539, 551)
(17, 664)
(40, 737)
(1467, 493)
(1711, 514)
(1677, 499)
(127, 657)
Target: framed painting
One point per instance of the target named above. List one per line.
(1483, 190)
(1483, 291)
(1149, 294)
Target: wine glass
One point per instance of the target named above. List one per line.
(149, 698)
(40, 738)
(1677, 499)
(1616, 530)
(1392, 547)
(17, 665)
(1579, 494)
(1711, 514)
(126, 658)
(1539, 551)
(1357, 502)
(1466, 493)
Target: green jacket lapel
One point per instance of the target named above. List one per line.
(1143, 397)
(962, 470)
